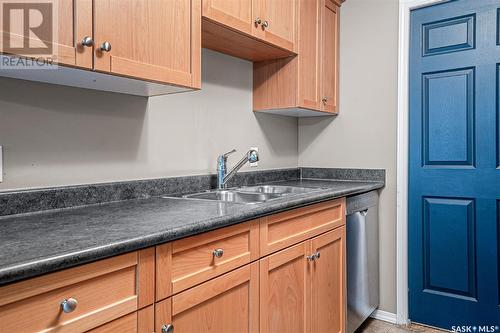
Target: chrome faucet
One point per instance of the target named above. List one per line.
(251, 156)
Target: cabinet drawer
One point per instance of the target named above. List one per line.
(104, 290)
(282, 230)
(191, 261)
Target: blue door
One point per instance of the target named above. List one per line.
(454, 166)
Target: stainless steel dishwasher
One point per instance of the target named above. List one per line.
(362, 258)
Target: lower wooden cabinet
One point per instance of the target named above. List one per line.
(302, 288)
(281, 273)
(81, 298)
(285, 290)
(328, 293)
(226, 304)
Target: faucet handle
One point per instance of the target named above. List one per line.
(253, 156)
(228, 153)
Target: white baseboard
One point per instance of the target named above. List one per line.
(385, 316)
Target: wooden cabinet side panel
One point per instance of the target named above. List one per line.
(146, 277)
(163, 271)
(275, 84)
(163, 314)
(145, 320)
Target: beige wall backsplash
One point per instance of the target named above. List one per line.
(54, 135)
(364, 134)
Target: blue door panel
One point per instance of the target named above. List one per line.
(498, 26)
(449, 258)
(454, 164)
(454, 34)
(448, 113)
(498, 108)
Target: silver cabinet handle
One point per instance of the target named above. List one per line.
(314, 256)
(169, 328)
(258, 21)
(87, 41)
(69, 305)
(265, 24)
(324, 100)
(218, 253)
(105, 47)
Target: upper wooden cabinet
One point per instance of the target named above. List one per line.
(278, 22)
(235, 14)
(74, 23)
(329, 56)
(251, 29)
(150, 47)
(153, 40)
(306, 85)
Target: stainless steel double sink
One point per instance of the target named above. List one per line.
(251, 194)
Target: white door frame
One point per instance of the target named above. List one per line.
(405, 6)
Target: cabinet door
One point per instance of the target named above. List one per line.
(279, 22)
(74, 22)
(328, 283)
(234, 14)
(225, 304)
(329, 56)
(285, 290)
(152, 40)
(309, 55)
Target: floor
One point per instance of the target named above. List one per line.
(378, 326)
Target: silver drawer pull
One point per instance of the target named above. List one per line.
(218, 253)
(69, 305)
(314, 256)
(105, 47)
(87, 41)
(167, 328)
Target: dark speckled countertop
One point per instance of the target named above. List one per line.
(42, 242)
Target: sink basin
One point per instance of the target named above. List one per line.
(234, 196)
(278, 189)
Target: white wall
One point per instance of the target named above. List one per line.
(54, 135)
(364, 134)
